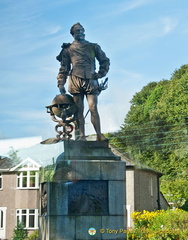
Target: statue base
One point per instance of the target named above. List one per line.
(86, 200)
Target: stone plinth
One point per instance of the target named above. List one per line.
(88, 191)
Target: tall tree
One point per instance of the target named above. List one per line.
(155, 132)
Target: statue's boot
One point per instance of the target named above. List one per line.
(101, 137)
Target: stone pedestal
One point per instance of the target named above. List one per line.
(88, 192)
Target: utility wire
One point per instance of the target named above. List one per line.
(140, 135)
(160, 120)
(150, 126)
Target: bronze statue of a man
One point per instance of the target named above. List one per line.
(78, 62)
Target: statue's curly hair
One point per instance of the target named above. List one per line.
(72, 28)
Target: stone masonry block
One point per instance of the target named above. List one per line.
(116, 196)
(84, 223)
(113, 170)
(57, 198)
(88, 170)
(113, 227)
(61, 228)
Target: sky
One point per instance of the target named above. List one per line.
(146, 40)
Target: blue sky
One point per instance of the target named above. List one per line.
(146, 40)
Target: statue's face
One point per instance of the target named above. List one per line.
(78, 33)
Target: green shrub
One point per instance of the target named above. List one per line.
(33, 236)
(164, 225)
(160, 234)
(20, 233)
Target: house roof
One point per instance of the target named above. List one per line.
(43, 154)
(123, 155)
(131, 163)
(6, 163)
(25, 165)
(6, 145)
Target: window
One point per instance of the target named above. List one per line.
(1, 181)
(2, 222)
(28, 217)
(1, 219)
(151, 186)
(28, 179)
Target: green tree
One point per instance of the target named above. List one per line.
(13, 154)
(155, 132)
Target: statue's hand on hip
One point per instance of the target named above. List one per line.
(96, 76)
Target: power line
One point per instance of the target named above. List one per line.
(154, 145)
(161, 120)
(130, 141)
(140, 135)
(151, 127)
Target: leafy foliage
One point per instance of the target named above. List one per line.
(155, 132)
(34, 235)
(20, 233)
(159, 225)
(169, 219)
(13, 154)
(47, 173)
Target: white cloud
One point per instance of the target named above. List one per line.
(132, 5)
(54, 29)
(168, 24)
(129, 75)
(125, 6)
(139, 34)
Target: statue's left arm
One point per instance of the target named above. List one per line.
(104, 62)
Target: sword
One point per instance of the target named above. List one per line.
(102, 86)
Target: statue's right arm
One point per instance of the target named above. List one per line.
(63, 71)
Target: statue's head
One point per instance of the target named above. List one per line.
(77, 31)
